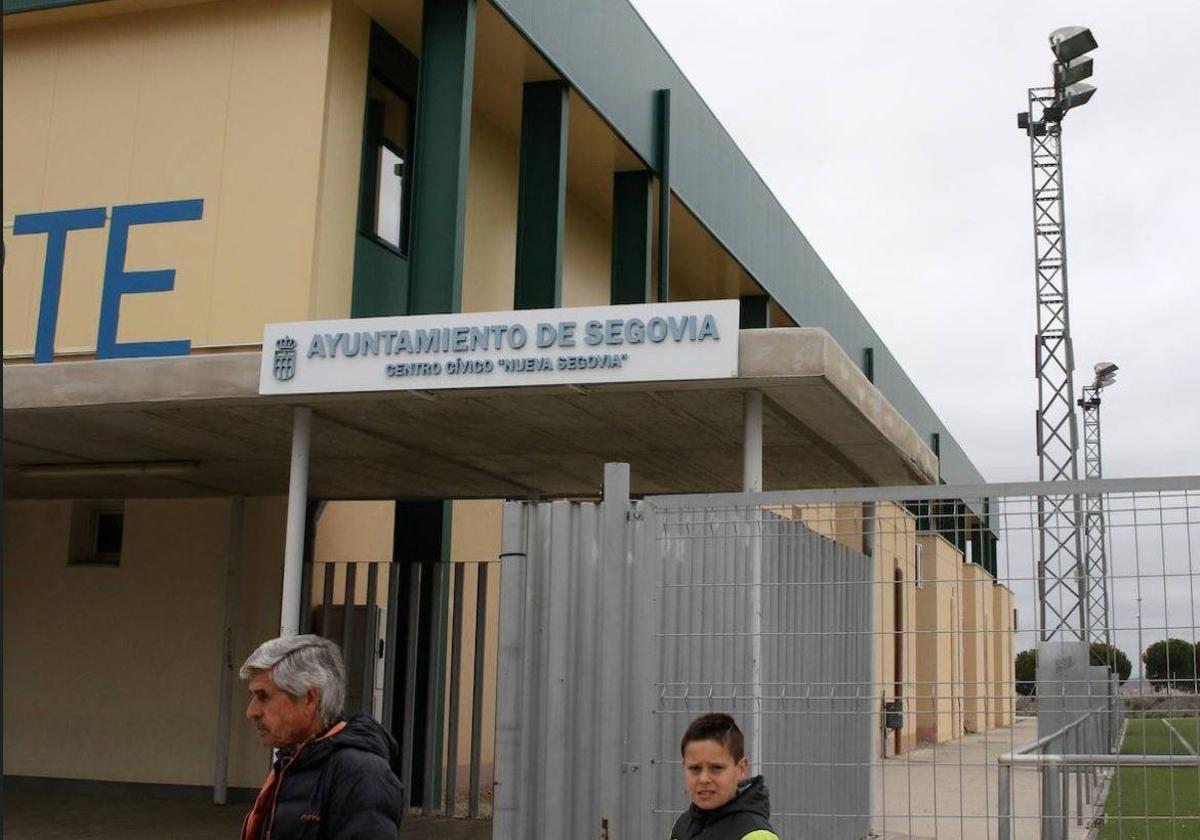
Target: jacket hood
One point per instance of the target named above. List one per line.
(361, 732)
(753, 798)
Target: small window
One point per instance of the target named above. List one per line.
(919, 566)
(389, 128)
(97, 533)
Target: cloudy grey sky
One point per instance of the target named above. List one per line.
(888, 131)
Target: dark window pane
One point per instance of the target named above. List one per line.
(109, 529)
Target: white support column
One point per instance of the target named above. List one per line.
(752, 482)
(293, 550)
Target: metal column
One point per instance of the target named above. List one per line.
(1096, 563)
(293, 550)
(752, 482)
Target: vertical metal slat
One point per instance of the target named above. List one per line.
(481, 598)
(455, 689)
(369, 649)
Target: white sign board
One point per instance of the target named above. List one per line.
(584, 345)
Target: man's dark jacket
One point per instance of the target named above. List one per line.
(744, 816)
(339, 787)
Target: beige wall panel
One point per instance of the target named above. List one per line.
(260, 581)
(587, 256)
(30, 64)
(976, 594)
(490, 256)
(87, 159)
(177, 142)
(220, 101)
(1002, 658)
(939, 646)
(355, 532)
(475, 530)
(272, 160)
(113, 673)
(337, 213)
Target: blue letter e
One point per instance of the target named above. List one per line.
(118, 281)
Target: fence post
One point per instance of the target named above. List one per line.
(506, 811)
(1004, 805)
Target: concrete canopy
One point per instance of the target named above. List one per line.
(196, 426)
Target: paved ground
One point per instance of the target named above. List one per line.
(42, 816)
(949, 793)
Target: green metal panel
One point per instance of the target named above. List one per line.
(541, 196)
(380, 280)
(12, 7)
(632, 237)
(610, 57)
(421, 534)
(663, 157)
(440, 154)
(752, 314)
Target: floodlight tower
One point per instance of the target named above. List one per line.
(1095, 562)
(1061, 575)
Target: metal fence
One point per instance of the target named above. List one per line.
(883, 650)
(427, 674)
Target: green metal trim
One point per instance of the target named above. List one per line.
(15, 7)
(663, 148)
(541, 196)
(421, 532)
(380, 285)
(394, 64)
(380, 279)
(752, 315)
(440, 156)
(632, 237)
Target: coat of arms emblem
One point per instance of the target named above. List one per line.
(285, 359)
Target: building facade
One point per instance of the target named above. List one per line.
(177, 175)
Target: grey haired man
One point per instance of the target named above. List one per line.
(332, 778)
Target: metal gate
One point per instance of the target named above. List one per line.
(622, 621)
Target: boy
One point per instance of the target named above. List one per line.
(725, 806)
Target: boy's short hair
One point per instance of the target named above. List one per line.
(719, 727)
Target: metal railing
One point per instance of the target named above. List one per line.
(427, 674)
(1082, 738)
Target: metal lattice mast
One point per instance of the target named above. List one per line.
(1061, 572)
(1060, 561)
(1096, 561)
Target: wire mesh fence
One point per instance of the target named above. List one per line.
(915, 682)
(890, 654)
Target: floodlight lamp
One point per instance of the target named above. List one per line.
(1075, 70)
(1076, 95)
(1070, 42)
(1106, 374)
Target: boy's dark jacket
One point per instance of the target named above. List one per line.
(745, 815)
(343, 785)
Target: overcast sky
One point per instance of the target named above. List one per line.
(888, 131)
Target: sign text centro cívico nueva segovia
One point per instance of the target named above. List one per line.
(581, 345)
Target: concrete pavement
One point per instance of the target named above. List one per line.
(47, 816)
(949, 792)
